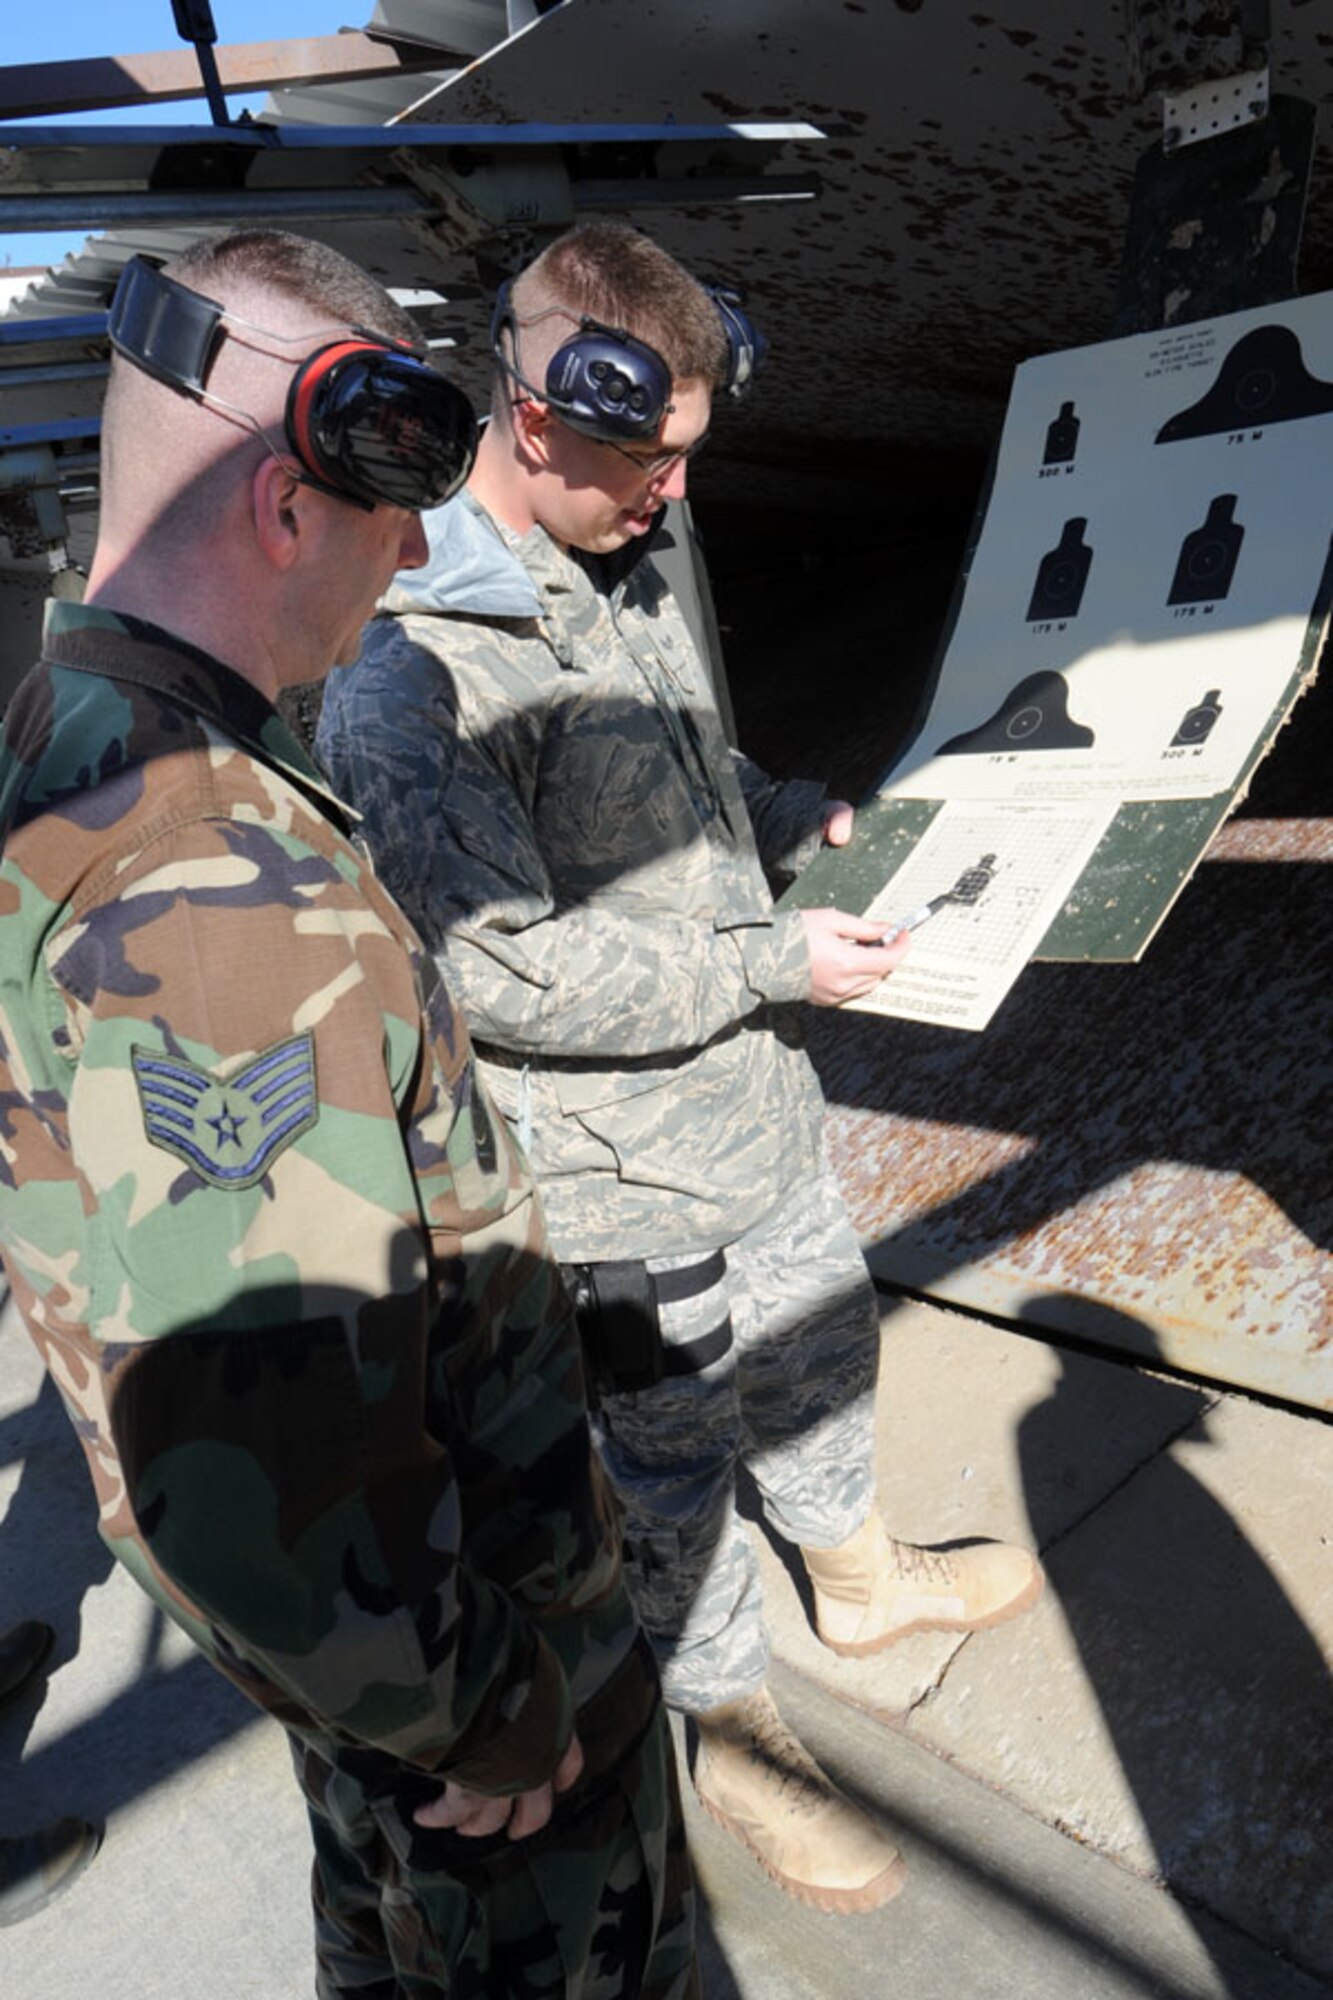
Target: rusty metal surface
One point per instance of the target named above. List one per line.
(1219, 222)
(973, 200)
(1138, 1155)
(1173, 44)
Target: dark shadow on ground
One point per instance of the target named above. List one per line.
(1214, 1690)
(51, 1556)
(50, 1553)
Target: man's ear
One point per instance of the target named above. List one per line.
(533, 424)
(278, 499)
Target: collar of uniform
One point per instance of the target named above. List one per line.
(550, 566)
(92, 640)
(554, 575)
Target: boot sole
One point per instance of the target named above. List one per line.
(872, 1895)
(75, 1864)
(860, 1649)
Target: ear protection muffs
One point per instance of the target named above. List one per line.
(367, 419)
(602, 382)
(607, 383)
(374, 422)
(746, 346)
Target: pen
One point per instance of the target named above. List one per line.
(924, 911)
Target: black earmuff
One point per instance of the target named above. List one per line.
(746, 346)
(367, 418)
(608, 384)
(602, 382)
(376, 423)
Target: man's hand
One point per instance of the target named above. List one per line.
(848, 955)
(839, 819)
(474, 1814)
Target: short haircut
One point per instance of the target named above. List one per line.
(238, 270)
(309, 272)
(612, 273)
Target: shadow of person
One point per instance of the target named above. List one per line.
(51, 1559)
(1211, 1685)
(50, 1553)
(716, 1976)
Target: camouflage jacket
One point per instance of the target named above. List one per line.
(547, 789)
(285, 1266)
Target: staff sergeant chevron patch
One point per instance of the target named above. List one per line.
(229, 1130)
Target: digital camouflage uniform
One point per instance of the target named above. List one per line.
(291, 1278)
(547, 788)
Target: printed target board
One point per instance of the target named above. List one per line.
(1155, 544)
(1145, 601)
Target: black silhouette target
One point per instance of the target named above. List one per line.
(1062, 575)
(1061, 437)
(1196, 724)
(1207, 560)
(1263, 380)
(1034, 715)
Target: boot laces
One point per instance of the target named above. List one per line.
(927, 1566)
(785, 1762)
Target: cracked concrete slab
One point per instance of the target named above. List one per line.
(1169, 1701)
(996, 1905)
(954, 1395)
(1177, 1707)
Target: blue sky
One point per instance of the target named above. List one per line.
(64, 29)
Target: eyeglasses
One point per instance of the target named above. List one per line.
(662, 462)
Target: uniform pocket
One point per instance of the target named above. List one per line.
(642, 1118)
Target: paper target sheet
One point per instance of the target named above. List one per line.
(1153, 549)
(1005, 870)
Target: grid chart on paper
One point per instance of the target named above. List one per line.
(1028, 853)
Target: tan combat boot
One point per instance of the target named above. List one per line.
(762, 1785)
(871, 1590)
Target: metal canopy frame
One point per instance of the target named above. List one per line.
(116, 176)
(43, 90)
(456, 185)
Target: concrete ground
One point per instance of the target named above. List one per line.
(1125, 1794)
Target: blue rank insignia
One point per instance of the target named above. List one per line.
(228, 1130)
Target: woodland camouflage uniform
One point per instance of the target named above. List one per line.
(290, 1276)
(546, 786)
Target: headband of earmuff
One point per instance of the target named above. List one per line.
(609, 384)
(367, 418)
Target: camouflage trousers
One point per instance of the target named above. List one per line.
(786, 1324)
(597, 1906)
